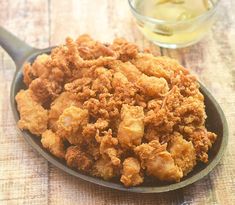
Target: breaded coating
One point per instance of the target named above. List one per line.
(38, 69)
(71, 121)
(45, 80)
(120, 113)
(202, 141)
(151, 134)
(192, 111)
(183, 153)
(149, 65)
(108, 147)
(131, 174)
(76, 158)
(64, 100)
(44, 91)
(77, 85)
(161, 113)
(124, 49)
(77, 60)
(152, 86)
(33, 116)
(158, 162)
(131, 127)
(76, 138)
(90, 130)
(127, 69)
(119, 80)
(103, 80)
(105, 169)
(28, 76)
(89, 49)
(53, 143)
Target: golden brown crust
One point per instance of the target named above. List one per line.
(53, 143)
(158, 162)
(202, 141)
(131, 174)
(183, 153)
(78, 159)
(121, 113)
(33, 116)
(131, 127)
(71, 121)
(63, 101)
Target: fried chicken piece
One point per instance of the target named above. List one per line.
(151, 134)
(44, 79)
(108, 147)
(40, 91)
(53, 143)
(131, 127)
(93, 149)
(91, 129)
(153, 86)
(28, 76)
(119, 80)
(162, 115)
(105, 169)
(125, 91)
(33, 116)
(96, 109)
(79, 62)
(46, 67)
(102, 80)
(37, 69)
(78, 159)
(170, 69)
(75, 139)
(149, 65)
(44, 91)
(81, 87)
(64, 100)
(77, 85)
(71, 121)
(125, 94)
(90, 49)
(158, 162)
(183, 153)
(60, 59)
(131, 174)
(192, 111)
(127, 69)
(124, 49)
(104, 106)
(202, 141)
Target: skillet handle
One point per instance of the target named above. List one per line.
(16, 48)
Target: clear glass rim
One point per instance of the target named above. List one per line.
(159, 21)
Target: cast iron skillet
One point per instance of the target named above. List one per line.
(20, 52)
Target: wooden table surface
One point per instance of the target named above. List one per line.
(27, 178)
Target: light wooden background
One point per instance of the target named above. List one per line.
(26, 178)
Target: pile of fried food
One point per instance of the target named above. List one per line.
(112, 111)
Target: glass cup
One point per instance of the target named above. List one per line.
(172, 33)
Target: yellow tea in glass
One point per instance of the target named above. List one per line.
(174, 23)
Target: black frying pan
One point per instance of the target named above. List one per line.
(20, 52)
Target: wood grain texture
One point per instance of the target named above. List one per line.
(26, 178)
